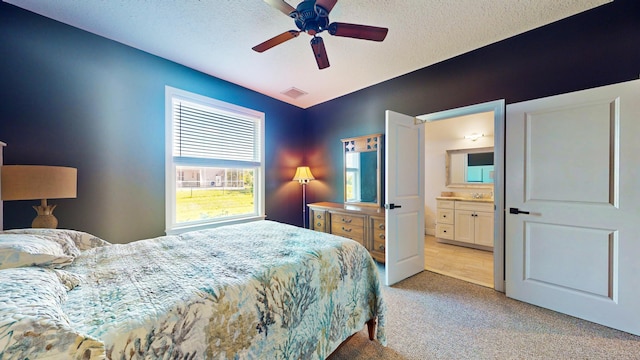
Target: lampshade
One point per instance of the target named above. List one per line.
(303, 175)
(35, 182)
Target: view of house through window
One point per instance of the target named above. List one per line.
(208, 192)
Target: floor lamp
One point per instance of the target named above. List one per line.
(303, 176)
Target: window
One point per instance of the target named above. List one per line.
(214, 162)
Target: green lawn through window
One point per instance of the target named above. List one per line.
(194, 204)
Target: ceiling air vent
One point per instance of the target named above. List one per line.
(294, 93)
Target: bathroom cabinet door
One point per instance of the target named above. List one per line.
(483, 232)
(464, 226)
(474, 227)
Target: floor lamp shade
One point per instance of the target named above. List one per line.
(303, 175)
(36, 182)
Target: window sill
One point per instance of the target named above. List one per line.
(183, 229)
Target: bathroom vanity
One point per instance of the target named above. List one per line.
(465, 221)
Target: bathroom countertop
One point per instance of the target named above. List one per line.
(459, 198)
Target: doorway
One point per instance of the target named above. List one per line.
(495, 110)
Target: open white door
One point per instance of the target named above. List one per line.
(404, 194)
(573, 204)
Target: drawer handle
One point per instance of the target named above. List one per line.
(319, 224)
(381, 226)
(381, 236)
(319, 216)
(347, 221)
(444, 216)
(381, 247)
(347, 230)
(444, 231)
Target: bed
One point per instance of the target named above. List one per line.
(261, 290)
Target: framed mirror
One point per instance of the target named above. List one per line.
(362, 158)
(471, 168)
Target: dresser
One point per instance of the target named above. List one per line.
(467, 222)
(364, 224)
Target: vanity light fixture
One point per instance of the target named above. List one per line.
(474, 136)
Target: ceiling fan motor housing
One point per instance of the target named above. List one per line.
(310, 18)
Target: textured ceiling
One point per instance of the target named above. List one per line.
(216, 36)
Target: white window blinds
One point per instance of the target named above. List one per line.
(204, 132)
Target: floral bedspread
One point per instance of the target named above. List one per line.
(261, 290)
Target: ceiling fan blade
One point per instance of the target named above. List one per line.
(281, 5)
(317, 44)
(327, 4)
(358, 31)
(276, 40)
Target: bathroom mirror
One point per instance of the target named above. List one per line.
(471, 168)
(362, 167)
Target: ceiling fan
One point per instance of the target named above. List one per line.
(312, 17)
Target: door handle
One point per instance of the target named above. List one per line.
(391, 206)
(517, 211)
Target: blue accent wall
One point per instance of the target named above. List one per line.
(76, 99)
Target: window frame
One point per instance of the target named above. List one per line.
(171, 227)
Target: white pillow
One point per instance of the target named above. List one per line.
(17, 250)
(82, 240)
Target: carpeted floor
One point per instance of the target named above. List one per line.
(431, 316)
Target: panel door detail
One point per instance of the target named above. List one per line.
(573, 203)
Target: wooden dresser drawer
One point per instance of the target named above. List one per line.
(379, 243)
(366, 225)
(377, 224)
(347, 219)
(318, 215)
(349, 231)
(377, 234)
(444, 231)
(376, 238)
(445, 216)
(349, 226)
(318, 220)
(318, 224)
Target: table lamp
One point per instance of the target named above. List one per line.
(36, 182)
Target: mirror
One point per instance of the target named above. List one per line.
(362, 164)
(470, 168)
